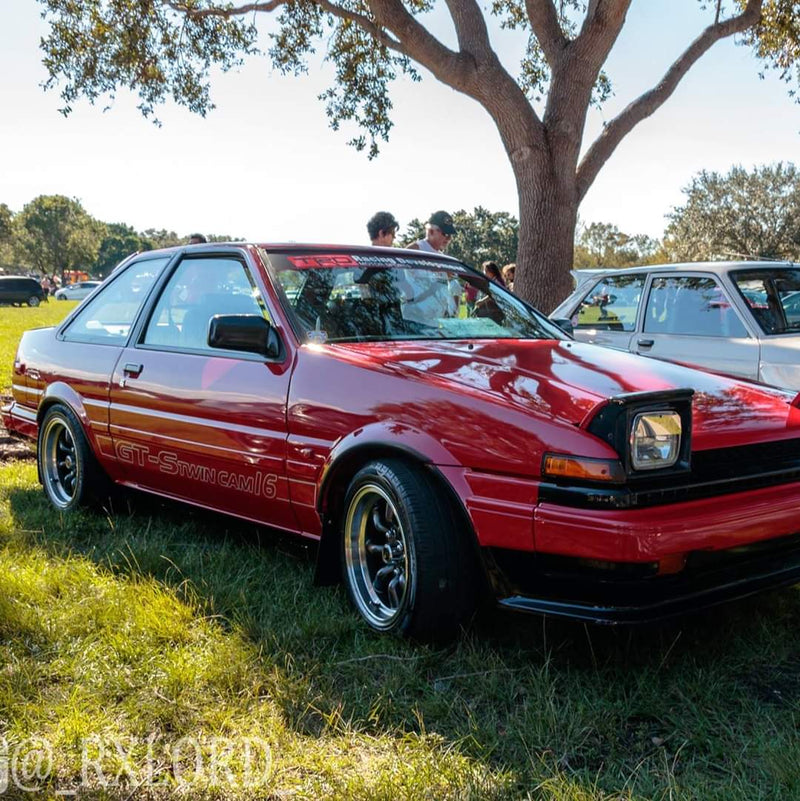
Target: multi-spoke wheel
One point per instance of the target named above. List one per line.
(33, 300)
(404, 561)
(68, 470)
(377, 556)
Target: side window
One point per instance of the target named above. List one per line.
(691, 305)
(108, 317)
(199, 289)
(611, 304)
(762, 306)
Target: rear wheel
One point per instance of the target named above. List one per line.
(406, 565)
(69, 471)
(33, 300)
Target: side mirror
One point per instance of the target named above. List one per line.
(564, 324)
(246, 332)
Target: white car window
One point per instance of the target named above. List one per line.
(611, 304)
(691, 305)
(106, 318)
(773, 297)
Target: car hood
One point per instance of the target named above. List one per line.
(568, 381)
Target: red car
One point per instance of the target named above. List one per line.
(441, 440)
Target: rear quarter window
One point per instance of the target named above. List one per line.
(107, 318)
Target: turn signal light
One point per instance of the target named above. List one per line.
(559, 465)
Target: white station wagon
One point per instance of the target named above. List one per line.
(738, 318)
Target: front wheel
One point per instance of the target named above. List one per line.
(406, 565)
(69, 471)
(33, 300)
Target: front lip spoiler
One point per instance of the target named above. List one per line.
(780, 573)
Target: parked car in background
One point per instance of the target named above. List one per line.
(437, 455)
(737, 318)
(19, 289)
(78, 291)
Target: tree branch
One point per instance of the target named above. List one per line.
(363, 22)
(233, 11)
(453, 69)
(646, 104)
(601, 26)
(545, 24)
(470, 24)
(393, 26)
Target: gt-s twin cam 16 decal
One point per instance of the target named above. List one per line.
(169, 463)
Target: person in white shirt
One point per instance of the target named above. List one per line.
(439, 230)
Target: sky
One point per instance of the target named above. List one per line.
(264, 165)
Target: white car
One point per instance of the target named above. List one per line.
(739, 318)
(77, 291)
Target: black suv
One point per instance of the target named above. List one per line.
(19, 289)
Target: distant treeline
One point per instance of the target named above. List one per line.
(54, 233)
(742, 214)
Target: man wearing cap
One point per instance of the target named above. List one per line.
(427, 299)
(439, 231)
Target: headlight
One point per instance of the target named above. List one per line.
(655, 440)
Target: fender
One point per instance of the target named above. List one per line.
(60, 392)
(380, 438)
(384, 438)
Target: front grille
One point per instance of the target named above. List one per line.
(724, 470)
(720, 471)
(746, 459)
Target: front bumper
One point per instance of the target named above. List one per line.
(707, 580)
(637, 565)
(650, 534)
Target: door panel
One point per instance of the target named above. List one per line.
(198, 423)
(206, 429)
(690, 319)
(736, 357)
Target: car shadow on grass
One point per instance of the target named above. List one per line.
(704, 705)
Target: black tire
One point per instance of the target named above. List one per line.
(33, 300)
(407, 567)
(69, 472)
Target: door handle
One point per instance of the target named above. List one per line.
(133, 370)
(646, 343)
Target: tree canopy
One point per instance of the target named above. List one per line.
(166, 48)
(56, 234)
(753, 215)
(120, 240)
(604, 245)
(6, 217)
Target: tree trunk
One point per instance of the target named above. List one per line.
(548, 214)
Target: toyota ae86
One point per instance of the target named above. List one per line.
(442, 441)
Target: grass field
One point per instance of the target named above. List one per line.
(135, 641)
(16, 319)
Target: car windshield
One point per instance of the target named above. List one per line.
(773, 296)
(360, 297)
